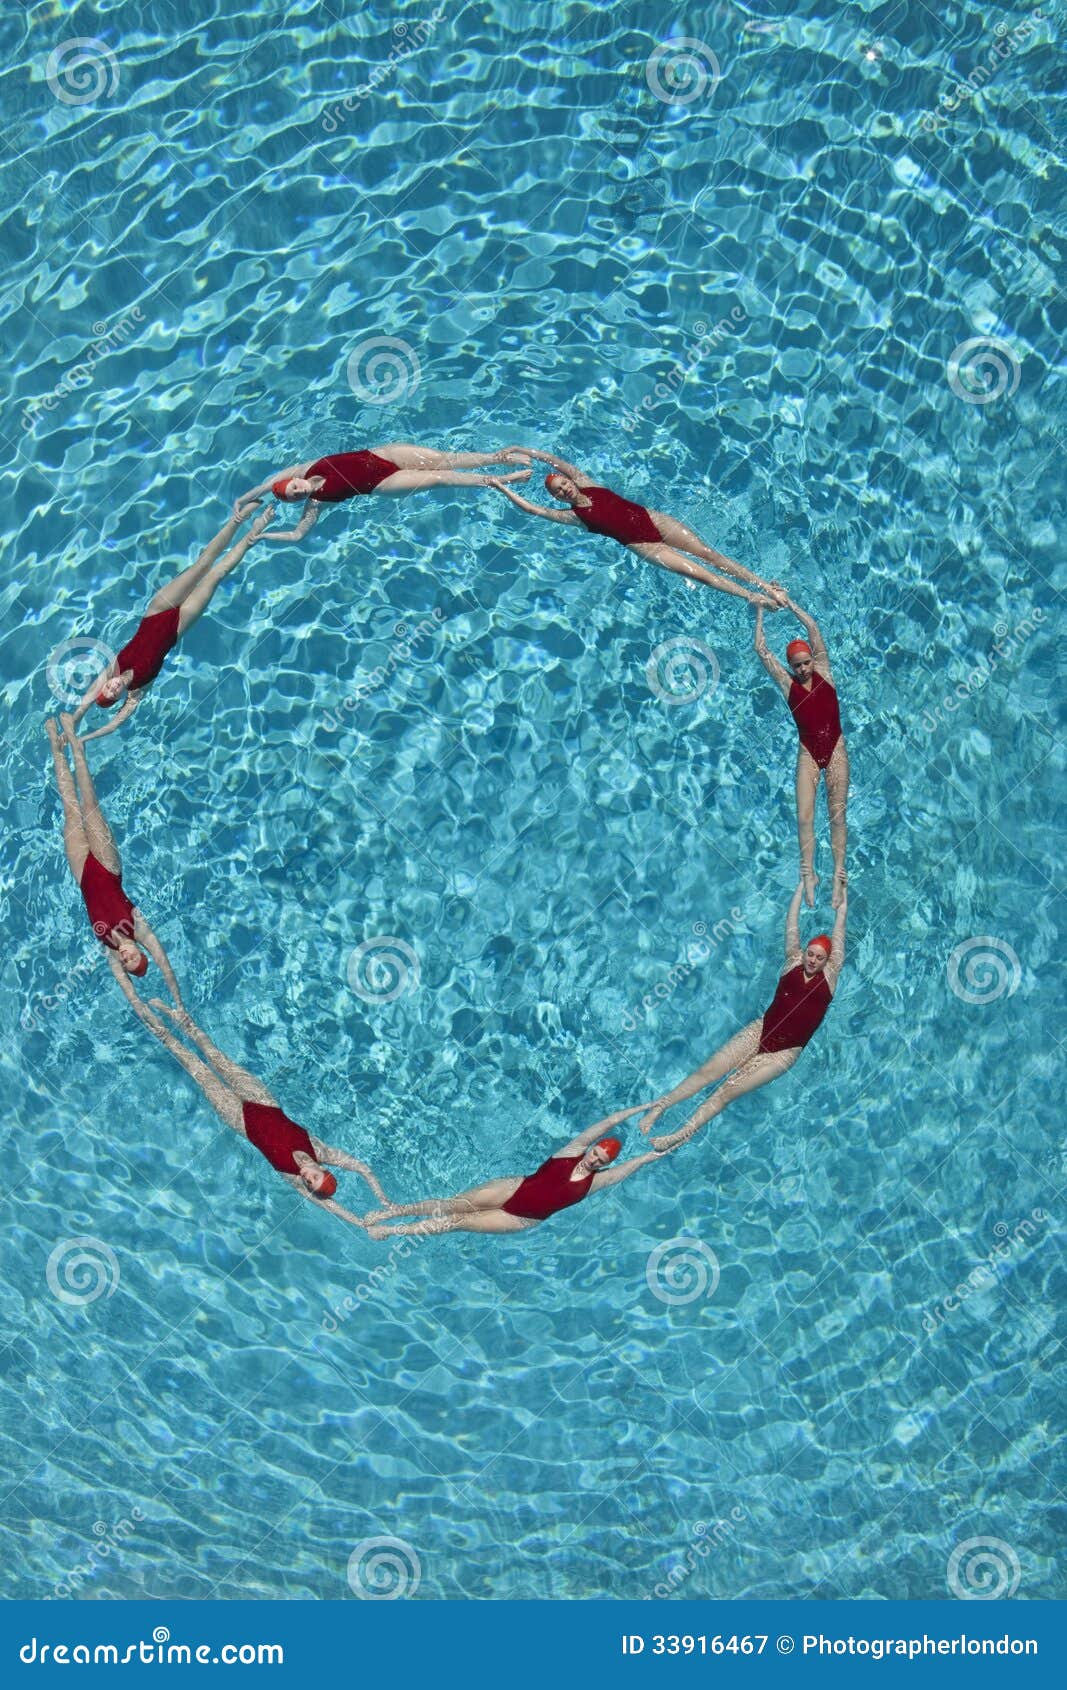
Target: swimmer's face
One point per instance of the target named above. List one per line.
(597, 1157)
(802, 666)
(130, 955)
(814, 959)
(298, 487)
(313, 1177)
(111, 689)
(562, 488)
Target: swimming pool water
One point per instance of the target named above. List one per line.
(750, 306)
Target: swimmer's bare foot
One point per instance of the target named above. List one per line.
(51, 728)
(840, 886)
(66, 722)
(377, 1232)
(512, 455)
(809, 881)
(514, 475)
(651, 1118)
(263, 520)
(373, 1215)
(180, 1017)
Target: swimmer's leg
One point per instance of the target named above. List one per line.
(177, 591)
(741, 1048)
(760, 1070)
(74, 841)
(492, 1220)
(414, 480)
(683, 539)
(224, 1101)
(239, 1080)
(807, 785)
(200, 592)
(98, 835)
(670, 558)
(837, 777)
(491, 1195)
(405, 456)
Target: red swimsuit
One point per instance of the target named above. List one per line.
(275, 1136)
(144, 654)
(107, 904)
(796, 1010)
(348, 473)
(620, 519)
(548, 1190)
(817, 717)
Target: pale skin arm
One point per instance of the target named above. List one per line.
(597, 1131)
(335, 1208)
(308, 518)
(328, 1155)
(820, 657)
(775, 670)
(146, 937)
(622, 1170)
(122, 714)
(534, 510)
(90, 697)
(578, 476)
(254, 494)
(792, 927)
(836, 959)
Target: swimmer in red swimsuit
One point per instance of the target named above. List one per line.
(245, 1104)
(97, 869)
(387, 469)
(514, 1204)
(811, 696)
(170, 613)
(768, 1046)
(649, 533)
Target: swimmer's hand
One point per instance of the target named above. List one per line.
(241, 507)
(513, 455)
(514, 475)
(263, 520)
(777, 593)
(651, 1118)
(180, 1017)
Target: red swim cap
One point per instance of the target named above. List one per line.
(328, 1186)
(611, 1145)
(796, 646)
(278, 487)
(140, 966)
(823, 940)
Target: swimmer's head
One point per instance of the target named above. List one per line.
(291, 487)
(111, 691)
(318, 1180)
(798, 656)
(131, 956)
(817, 954)
(602, 1152)
(562, 487)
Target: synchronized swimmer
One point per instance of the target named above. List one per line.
(759, 1053)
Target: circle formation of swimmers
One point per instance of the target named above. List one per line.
(761, 1051)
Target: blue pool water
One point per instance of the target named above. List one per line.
(744, 303)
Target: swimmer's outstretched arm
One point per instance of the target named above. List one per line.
(332, 1157)
(335, 1208)
(254, 494)
(820, 657)
(122, 714)
(777, 671)
(145, 936)
(534, 510)
(623, 1170)
(835, 960)
(598, 1130)
(308, 518)
(90, 697)
(577, 475)
(792, 927)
